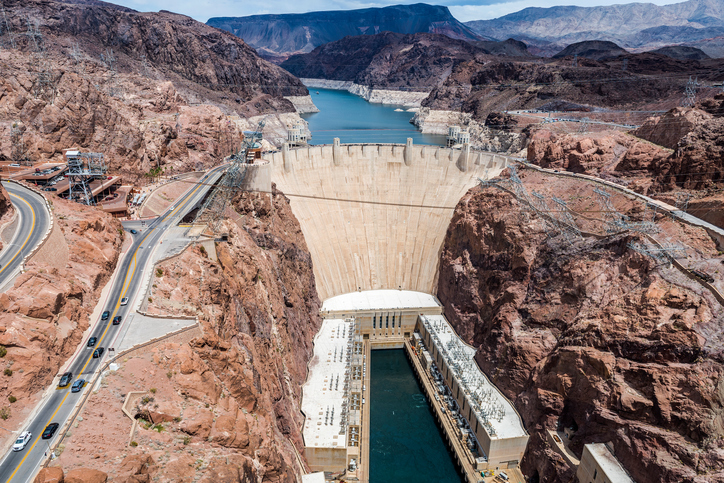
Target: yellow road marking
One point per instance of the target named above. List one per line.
(115, 311)
(29, 234)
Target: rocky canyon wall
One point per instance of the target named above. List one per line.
(590, 336)
(227, 401)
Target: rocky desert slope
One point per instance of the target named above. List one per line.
(277, 36)
(225, 405)
(146, 89)
(43, 317)
(591, 336)
(675, 157)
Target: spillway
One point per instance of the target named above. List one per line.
(375, 215)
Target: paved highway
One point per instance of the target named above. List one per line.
(33, 224)
(22, 466)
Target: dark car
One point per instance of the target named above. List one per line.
(65, 379)
(92, 341)
(98, 352)
(133, 232)
(105, 315)
(50, 430)
(77, 385)
(116, 320)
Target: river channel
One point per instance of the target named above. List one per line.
(405, 443)
(354, 120)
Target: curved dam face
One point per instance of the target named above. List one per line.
(375, 216)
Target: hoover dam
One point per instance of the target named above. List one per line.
(374, 217)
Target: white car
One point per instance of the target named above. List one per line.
(22, 441)
(124, 301)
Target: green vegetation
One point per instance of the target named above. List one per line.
(12, 399)
(159, 272)
(153, 390)
(4, 413)
(3, 351)
(134, 444)
(187, 439)
(8, 372)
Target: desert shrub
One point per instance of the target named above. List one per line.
(4, 413)
(3, 351)
(134, 444)
(12, 399)
(8, 372)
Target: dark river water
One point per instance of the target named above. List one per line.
(405, 443)
(353, 120)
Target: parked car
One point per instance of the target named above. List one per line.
(92, 341)
(105, 315)
(22, 441)
(124, 301)
(50, 430)
(77, 385)
(65, 379)
(116, 320)
(14, 165)
(98, 352)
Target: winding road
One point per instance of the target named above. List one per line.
(33, 224)
(57, 406)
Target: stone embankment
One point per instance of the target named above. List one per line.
(303, 104)
(410, 99)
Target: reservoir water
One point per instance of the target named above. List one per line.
(354, 120)
(405, 443)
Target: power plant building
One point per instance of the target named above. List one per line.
(491, 425)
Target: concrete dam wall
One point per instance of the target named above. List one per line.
(375, 215)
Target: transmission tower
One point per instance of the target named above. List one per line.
(8, 30)
(563, 223)
(665, 252)
(625, 65)
(44, 85)
(83, 168)
(18, 151)
(575, 61)
(682, 201)
(690, 92)
(144, 64)
(583, 127)
(110, 62)
(214, 207)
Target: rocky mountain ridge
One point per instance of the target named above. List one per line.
(641, 26)
(280, 35)
(145, 89)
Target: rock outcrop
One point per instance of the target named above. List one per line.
(228, 400)
(592, 337)
(44, 315)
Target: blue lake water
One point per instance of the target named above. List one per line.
(405, 442)
(353, 120)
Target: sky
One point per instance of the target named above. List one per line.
(463, 10)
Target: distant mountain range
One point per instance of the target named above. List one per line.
(285, 34)
(634, 26)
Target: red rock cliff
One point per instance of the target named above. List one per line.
(592, 336)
